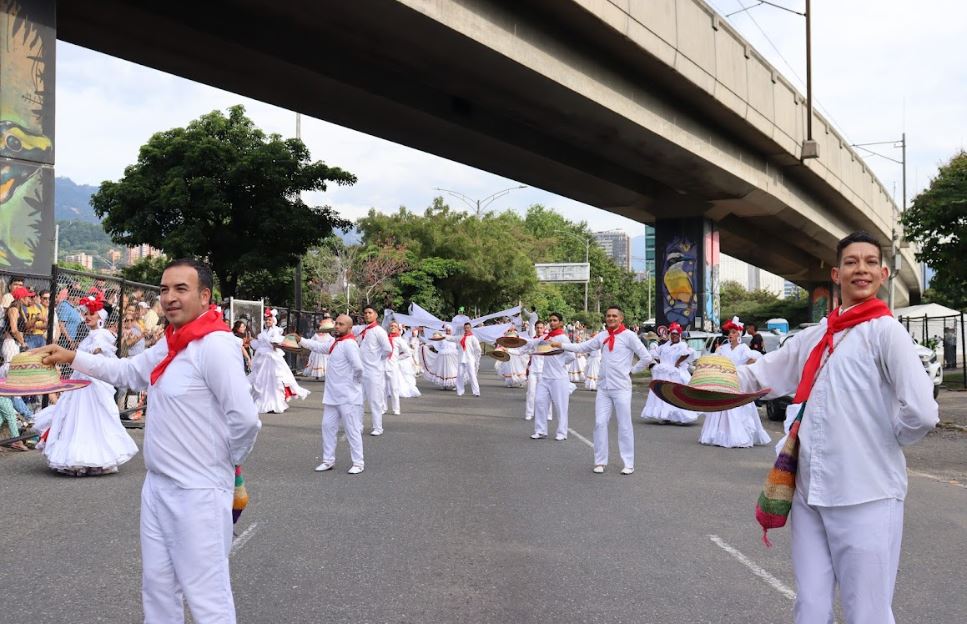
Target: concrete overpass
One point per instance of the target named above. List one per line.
(652, 109)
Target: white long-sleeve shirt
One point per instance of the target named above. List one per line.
(203, 420)
(374, 348)
(471, 355)
(344, 371)
(740, 355)
(870, 398)
(669, 353)
(401, 351)
(616, 366)
(554, 366)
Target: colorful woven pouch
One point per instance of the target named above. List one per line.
(240, 499)
(775, 501)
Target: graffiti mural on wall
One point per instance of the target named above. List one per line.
(678, 284)
(819, 303)
(27, 46)
(711, 276)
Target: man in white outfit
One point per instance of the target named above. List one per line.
(469, 360)
(618, 347)
(375, 348)
(534, 368)
(866, 396)
(342, 400)
(203, 423)
(554, 387)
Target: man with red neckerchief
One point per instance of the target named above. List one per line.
(469, 360)
(618, 348)
(868, 397)
(374, 348)
(554, 387)
(203, 423)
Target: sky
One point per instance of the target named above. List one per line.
(880, 68)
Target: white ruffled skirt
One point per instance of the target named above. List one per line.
(734, 428)
(270, 379)
(659, 411)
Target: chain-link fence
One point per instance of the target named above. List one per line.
(944, 334)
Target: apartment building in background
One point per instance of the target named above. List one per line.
(617, 245)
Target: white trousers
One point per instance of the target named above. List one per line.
(467, 373)
(556, 393)
(857, 546)
(533, 379)
(186, 537)
(374, 395)
(393, 390)
(349, 416)
(619, 402)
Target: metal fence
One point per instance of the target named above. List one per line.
(942, 332)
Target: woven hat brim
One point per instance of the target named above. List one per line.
(291, 348)
(511, 342)
(437, 339)
(551, 352)
(64, 386)
(697, 400)
(500, 355)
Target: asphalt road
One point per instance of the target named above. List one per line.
(460, 517)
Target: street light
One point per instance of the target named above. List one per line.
(587, 250)
(479, 204)
(900, 144)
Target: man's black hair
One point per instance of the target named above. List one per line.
(615, 307)
(858, 237)
(556, 315)
(204, 271)
(369, 307)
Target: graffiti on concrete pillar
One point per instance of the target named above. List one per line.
(819, 303)
(678, 281)
(27, 46)
(711, 277)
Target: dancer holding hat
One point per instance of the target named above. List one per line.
(375, 348)
(316, 366)
(739, 427)
(862, 396)
(469, 360)
(554, 387)
(85, 436)
(671, 364)
(273, 383)
(202, 424)
(619, 347)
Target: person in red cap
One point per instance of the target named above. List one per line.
(671, 364)
(202, 424)
(862, 395)
(15, 325)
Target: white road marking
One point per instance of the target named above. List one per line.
(927, 475)
(243, 538)
(580, 437)
(772, 581)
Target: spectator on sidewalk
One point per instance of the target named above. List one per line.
(70, 317)
(9, 415)
(12, 284)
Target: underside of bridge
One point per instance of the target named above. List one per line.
(387, 69)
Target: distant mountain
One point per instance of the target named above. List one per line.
(72, 201)
(350, 236)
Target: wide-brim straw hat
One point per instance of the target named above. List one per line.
(511, 342)
(327, 324)
(28, 376)
(437, 336)
(652, 336)
(503, 356)
(291, 344)
(544, 348)
(714, 387)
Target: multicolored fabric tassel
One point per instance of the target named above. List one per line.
(240, 499)
(775, 501)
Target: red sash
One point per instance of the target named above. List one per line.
(463, 341)
(205, 324)
(347, 336)
(611, 334)
(362, 335)
(557, 332)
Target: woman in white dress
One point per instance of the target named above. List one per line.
(415, 347)
(441, 361)
(272, 381)
(739, 427)
(672, 358)
(316, 367)
(575, 370)
(593, 369)
(514, 370)
(85, 436)
(398, 384)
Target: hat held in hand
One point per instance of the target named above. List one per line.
(714, 387)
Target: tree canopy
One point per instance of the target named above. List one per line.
(937, 223)
(223, 190)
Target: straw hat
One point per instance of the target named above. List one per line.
(511, 342)
(327, 324)
(291, 344)
(437, 336)
(545, 348)
(503, 356)
(714, 387)
(28, 375)
(652, 336)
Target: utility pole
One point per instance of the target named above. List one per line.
(479, 204)
(297, 295)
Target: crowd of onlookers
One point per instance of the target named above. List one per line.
(25, 324)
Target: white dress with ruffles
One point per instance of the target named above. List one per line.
(739, 427)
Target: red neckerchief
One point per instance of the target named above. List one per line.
(463, 341)
(347, 336)
(362, 336)
(210, 321)
(611, 334)
(556, 332)
(391, 336)
(836, 322)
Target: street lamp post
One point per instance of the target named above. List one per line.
(587, 252)
(479, 204)
(900, 144)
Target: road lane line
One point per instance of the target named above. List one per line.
(927, 475)
(580, 437)
(242, 539)
(772, 581)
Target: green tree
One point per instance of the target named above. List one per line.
(223, 190)
(937, 223)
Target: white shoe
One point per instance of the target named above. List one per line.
(560, 437)
(355, 470)
(323, 467)
(598, 470)
(538, 436)
(627, 471)
(396, 412)
(528, 418)
(549, 418)
(375, 432)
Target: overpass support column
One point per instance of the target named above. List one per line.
(27, 48)
(822, 299)
(687, 272)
